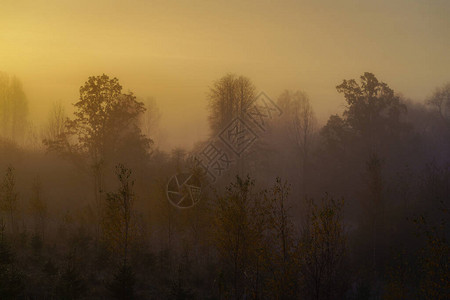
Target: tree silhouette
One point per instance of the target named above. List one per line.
(228, 98)
(440, 100)
(56, 122)
(300, 123)
(282, 256)
(240, 220)
(13, 108)
(106, 122)
(117, 222)
(336, 134)
(322, 248)
(9, 197)
(372, 106)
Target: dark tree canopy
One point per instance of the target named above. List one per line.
(372, 115)
(335, 132)
(371, 105)
(106, 121)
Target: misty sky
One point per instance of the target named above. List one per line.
(173, 50)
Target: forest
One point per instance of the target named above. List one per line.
(276, 205)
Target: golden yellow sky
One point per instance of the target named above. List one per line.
(173, 50)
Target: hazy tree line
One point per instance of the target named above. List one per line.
(356, 208)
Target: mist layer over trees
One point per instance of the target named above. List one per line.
(356, 208)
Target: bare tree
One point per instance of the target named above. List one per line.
(150, 119)
(118, 226)
(301, 123)
(13, 108)
(56, 122)
(228, 98)
(440, 100)
(239, 223)
(282, 243)
(9, 197)
(117, 221)
(322, 248)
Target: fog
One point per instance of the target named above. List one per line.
(224, 149)
(173, 50)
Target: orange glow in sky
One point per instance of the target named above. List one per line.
(174, 50)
